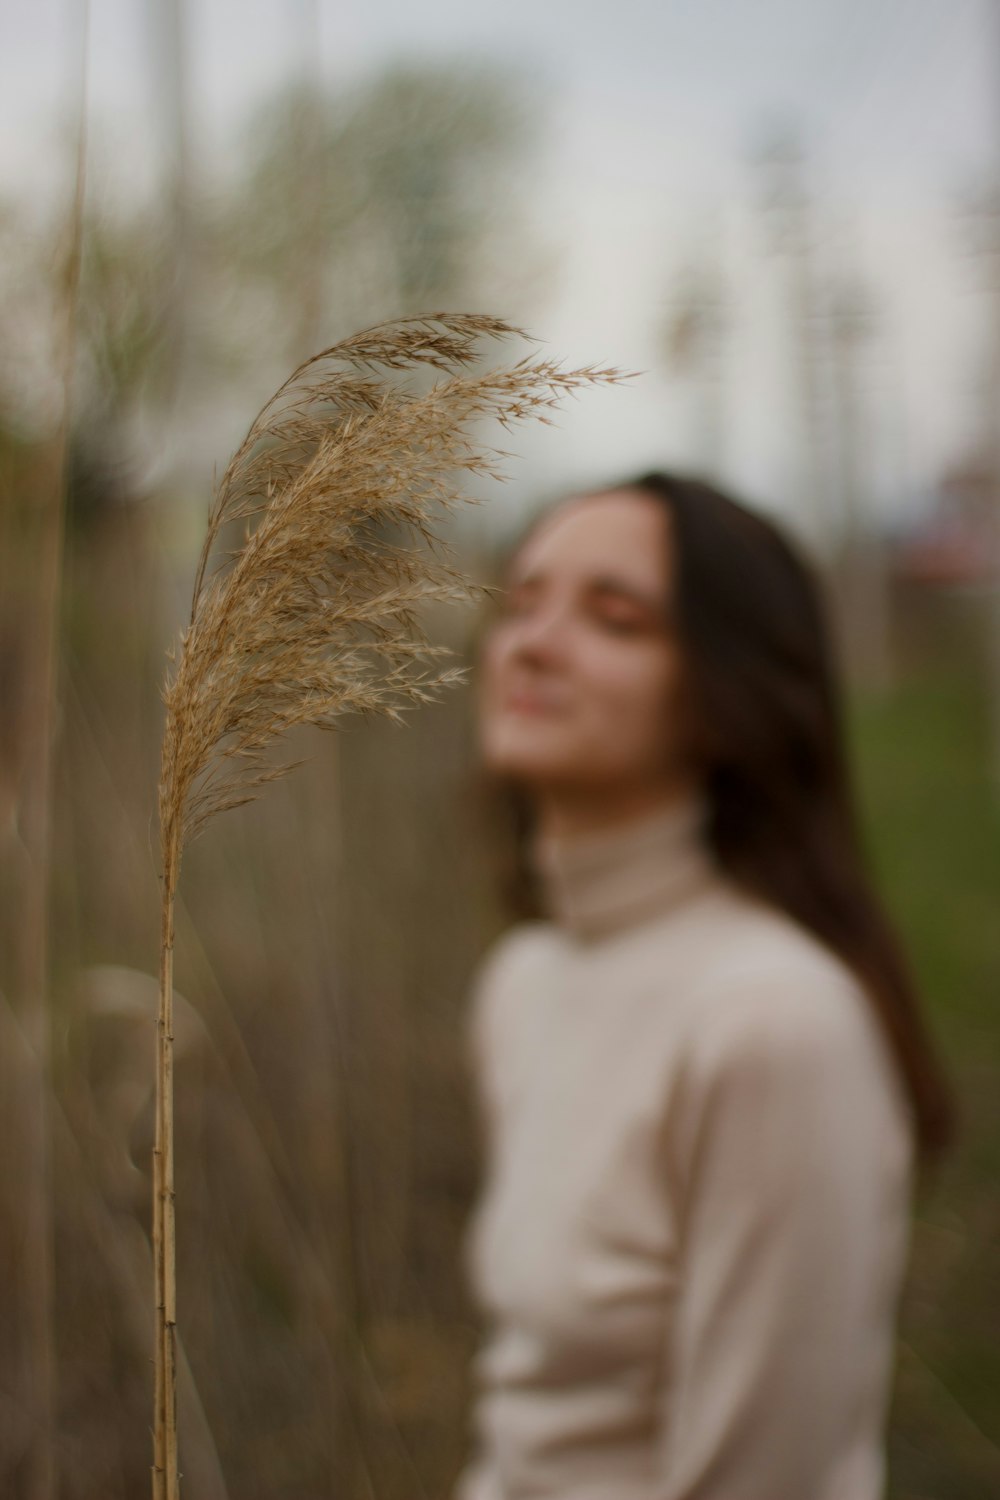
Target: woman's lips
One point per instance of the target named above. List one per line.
(523, 702)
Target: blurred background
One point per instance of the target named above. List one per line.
(786, 215)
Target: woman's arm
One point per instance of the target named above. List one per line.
(482, 1037)
(491, 1025)
(795, 1222)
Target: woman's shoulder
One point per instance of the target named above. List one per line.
(761, 954)
(728, 953)
(771, 995)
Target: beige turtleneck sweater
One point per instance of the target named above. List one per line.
(694, 1223)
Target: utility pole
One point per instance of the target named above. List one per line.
(695, 345)
(993, 530)
(861, 565)
(988, 217)
(168, 26)
(789, 216)
(993, 440)
(313, 186)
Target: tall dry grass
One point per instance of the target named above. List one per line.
(325, 938)
(315, 613)
(36, 794)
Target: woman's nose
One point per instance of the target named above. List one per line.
(542, 634)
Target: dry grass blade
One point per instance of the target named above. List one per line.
(316, 612)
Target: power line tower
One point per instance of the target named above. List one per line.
(992, 446)
(313, 185)
(169, 44)
(694, 340)
(993, 436)
(983, 213)
(789, 216)
(860, 553)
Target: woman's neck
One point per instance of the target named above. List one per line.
(602, 877)
(566, 813)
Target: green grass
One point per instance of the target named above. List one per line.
(933, 824)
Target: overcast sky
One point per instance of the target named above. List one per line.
(654, 109)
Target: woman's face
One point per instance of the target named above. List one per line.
(579, 675)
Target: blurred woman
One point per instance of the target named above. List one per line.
(703, 1075)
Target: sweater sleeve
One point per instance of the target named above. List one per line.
(794, 1224)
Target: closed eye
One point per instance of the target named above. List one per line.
(620, 613)
(621, 624)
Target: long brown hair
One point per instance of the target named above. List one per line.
(765, 724)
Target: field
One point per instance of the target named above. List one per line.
(326, 1135)
(923, 755)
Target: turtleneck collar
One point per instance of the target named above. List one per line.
(596, 883)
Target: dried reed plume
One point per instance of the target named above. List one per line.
(314, 615)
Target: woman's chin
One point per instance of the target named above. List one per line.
(527, 758)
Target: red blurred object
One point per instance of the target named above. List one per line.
(956, 543)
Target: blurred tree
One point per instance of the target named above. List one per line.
(398, 197)
(402, 195)
(694, 339)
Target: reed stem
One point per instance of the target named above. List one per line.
(165, 1471)
(316, 616)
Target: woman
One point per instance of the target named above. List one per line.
(701, 1063)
